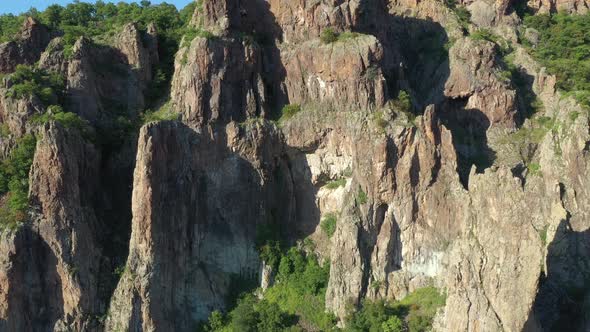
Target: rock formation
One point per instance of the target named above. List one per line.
(26, 48)
(417, 206)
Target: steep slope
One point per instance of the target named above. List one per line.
(407, 126)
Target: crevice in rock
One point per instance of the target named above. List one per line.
(469, 128)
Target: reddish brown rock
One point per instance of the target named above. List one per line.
(550, 6)
(26, 48)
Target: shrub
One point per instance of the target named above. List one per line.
(484, 34)
(29, 81)
(393, 324)
(289, 111)
(328, 36)
(403, 102)
(361, 197)
(328, 224)
(165, 113)
(4, 130)
(193, 33)
(379, 121)
(341, 182)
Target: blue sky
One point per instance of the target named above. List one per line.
(19, 6)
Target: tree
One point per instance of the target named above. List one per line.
(52, 16)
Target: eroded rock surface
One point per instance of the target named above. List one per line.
(413, 208)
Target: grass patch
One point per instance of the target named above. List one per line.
(361, 197)
(193, 33)
(336, 184)
(484, 34)
(328, 224)
(534, 169)
(163, 114)
(543, 234)
(328, 36)
(288, 112)
(4, 130)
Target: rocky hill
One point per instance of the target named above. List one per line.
(295, 165)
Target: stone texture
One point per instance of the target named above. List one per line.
(550, 6)
(346, 73)
(504, 242)
(183, 187)
(26, 48)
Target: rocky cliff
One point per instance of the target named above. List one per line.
(445, 178)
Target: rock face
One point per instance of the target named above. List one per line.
(475, 77)
(211, 244)
(50, 276)
(219, 80)
(345, 73)
(549, 6)
(506, 240)
(26, 48)
(141, 49)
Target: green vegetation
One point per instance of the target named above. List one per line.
(484, 34)
(413, 314)
(4, 130)
(543, 234)
(193, 33)
(403, 102)
(164, 113)
(28, 81)
(289, 111)
(341, 182)
(463, 15)
(328, 224)
(296, 298)
(14, 183)
(534, 168)
(379, 121)
(564, 48)
(66, 119)
(328, 36)
(361, 197)
(10, 26)
(101, 21)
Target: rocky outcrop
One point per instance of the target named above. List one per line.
(218, 80)
(196, 245)
(303, 20)
(140, 49)
(64, 220)
(100, 83)
(550, 6)
(346, 73)
(51, 265)
(475, 76)
(26, 48)
(505, 240)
